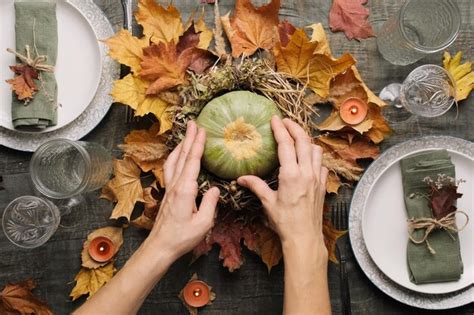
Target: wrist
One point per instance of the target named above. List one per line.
(156, 254)
(305, 250)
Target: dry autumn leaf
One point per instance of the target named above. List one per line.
(115, 234)
(350, 16)
(23, 83)
(204, 33)
(319, 36)
(461, 73)
(152, 197)
(265, 242)
(166, 64)
(148, 150)
(125, 188)
(16, 298)
(298, 60)
(159, 24)
(131, 91)
(127, 49)
(89, 281)
(251, 28)
(228, 234)
(330, 238)
(341, 155)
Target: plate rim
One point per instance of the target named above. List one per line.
(364, 210)
(98, 106)
(368, 266)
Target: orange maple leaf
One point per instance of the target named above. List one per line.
(251, 28)
(17, 299)
(351, 18)
(298, 60)
(166, 63)
(23, 84)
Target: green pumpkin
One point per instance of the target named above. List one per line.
(239, 135)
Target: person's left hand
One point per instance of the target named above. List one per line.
(180, 225)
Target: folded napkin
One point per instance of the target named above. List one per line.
(425, 267)
(38, 17)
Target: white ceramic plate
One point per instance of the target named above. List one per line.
(83, 71)
(77, 69)
(386, 234)
(358, 205)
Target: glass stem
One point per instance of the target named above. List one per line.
(391, 94)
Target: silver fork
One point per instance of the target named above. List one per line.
(340, 220)
(128, 25)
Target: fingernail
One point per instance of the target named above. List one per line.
(240, 181)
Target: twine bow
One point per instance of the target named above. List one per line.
(447, 223)
(36, 63)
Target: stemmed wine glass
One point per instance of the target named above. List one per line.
(428, 91)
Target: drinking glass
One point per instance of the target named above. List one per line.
(29, 221)
(420, 28)
(428, 91)
(63, 168)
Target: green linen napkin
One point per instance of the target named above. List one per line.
(41, 111)
(425, 267)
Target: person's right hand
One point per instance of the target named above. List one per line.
(295, 210)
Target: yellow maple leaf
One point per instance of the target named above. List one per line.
(159, 24)
(298, 60)
(319, 36)
(127, 49)
(125, 188)
(461, 73)
(131, 90)
(112, 233)
(89, 281)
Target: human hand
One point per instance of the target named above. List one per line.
(180, 225)
(295, 210)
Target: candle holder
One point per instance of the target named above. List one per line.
(353, 111)
(101, 249)
(196, 293)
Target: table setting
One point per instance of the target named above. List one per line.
(96, 94)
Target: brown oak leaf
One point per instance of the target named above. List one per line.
(298, 60)
(125, 188)
(443, 200)
(89, 281)
(350, 16)
(17, 298)
(251, 28)
(23, 83)
(115, 234)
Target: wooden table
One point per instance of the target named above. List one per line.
(250, 290)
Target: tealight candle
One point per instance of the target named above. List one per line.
(196, 293)
(101, 249)
(353, 111)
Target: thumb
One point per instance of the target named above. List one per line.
(207, 208)
(257, 185)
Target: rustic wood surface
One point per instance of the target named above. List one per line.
(250, 290)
